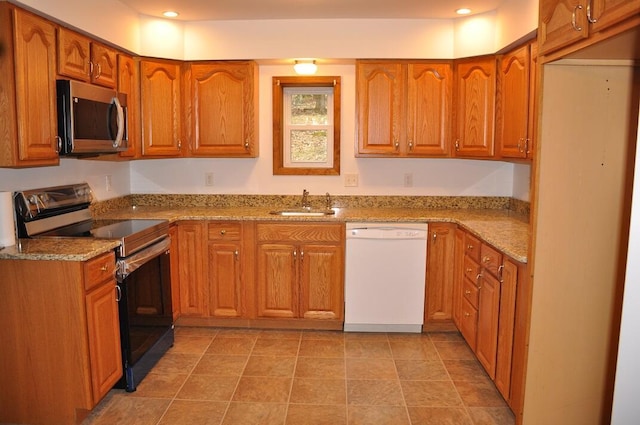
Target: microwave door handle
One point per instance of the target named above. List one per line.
(120, 121)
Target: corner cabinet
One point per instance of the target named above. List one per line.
(222, 112)
(69, 327)
(28, 117)
(403, 108)
(474, 106)
(300, 271)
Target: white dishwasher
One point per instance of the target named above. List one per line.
(385, 277)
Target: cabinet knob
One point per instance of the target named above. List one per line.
(246, 144)
(486, 259)
(223, 232)
(457, 144)
(469, 270)
(469, 247)
(467, 292)
(467, 315)
(104, 268)
(410, 145)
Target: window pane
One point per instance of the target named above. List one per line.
(309, 109)
(308, 145)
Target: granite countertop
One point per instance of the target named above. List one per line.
(505, 230)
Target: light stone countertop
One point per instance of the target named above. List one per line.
(505, 230)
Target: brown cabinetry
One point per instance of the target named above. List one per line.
(129, 84)
(223, 108)
(440, 273)
(83, 59)
(28, 126)
(403, 108)
(192, 245)
(60, 319)
(563, 22)
(161, 108)
(474, 104)
(225, 253)
(300, 271)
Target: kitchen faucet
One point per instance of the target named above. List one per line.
(305, 199)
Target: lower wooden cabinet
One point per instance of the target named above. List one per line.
(440, 273)
(224, 269)
(194, 293)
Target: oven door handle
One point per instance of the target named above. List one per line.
(128, 265)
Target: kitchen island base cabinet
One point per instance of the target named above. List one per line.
(60, 336)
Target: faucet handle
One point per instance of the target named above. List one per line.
(328, 201)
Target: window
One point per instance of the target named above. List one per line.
(306, 125)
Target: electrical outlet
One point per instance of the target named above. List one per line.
(408, 179)
(350, 180)
(107, 183)
(208, 179)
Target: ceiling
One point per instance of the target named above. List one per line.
(206, 10)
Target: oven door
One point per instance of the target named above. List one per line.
(146, 317)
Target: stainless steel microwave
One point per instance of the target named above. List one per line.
(91, 119)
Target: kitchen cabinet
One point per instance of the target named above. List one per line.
(458, 275)
(564, 22)
(474, 106)
(222, 111)
(192, 246)
(300, 271)
(403, 108)
(60, 319)
(174, 248)
(513, 273)
(225, 271)
(83, 59)
(161, 108)
(28, 117)
(515, 103)
(128, 83)
(440, 273)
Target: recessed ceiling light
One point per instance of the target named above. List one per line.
(170, 14)
(463, 11)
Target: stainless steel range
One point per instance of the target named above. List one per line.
(143, 267)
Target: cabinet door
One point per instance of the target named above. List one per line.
(223, 109)
(506, 327)
(104, 339)
(379, 88)
(533, 99)
(512, 106)
(175, 271)
(562, 22)
(605, 13)
(73, 55)
(105, 66)
(429, 96)
(277, 280)
(160, 108)
(474, 106)
(458, 276)
(321, 281)
(440, 257)
(191, 247)
(35, 78)
(225, 283)
(128, 84)
(488, 311)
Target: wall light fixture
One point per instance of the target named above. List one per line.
(305, 67)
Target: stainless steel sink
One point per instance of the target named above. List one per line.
(303, 212)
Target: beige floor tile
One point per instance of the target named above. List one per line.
(190, 412)
(270, 366)
(479, 394)
(430, 393)
(160, 385)
(320, 367)
(280, 334)
(176, 363)
(318, 391)
(221, 365)
(439, 416)
(446, 336)
(231, 345)
(371, 368)
(324, 335)
(255, 414)
(371, 336)
(195, 331)
(263, 389)
(322, 348)
(276, 347)
(367, 348)
(421, 370)
(239, 332)
(492, 416)
(378, 415)
(207, 387)
(374, 392)
(414, 349)
(123, 410)
(312, 414)
(453, 350)
(188, 344)
(465, 370)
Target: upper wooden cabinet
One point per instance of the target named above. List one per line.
(83, 59)
(474, 101)
(515, 103)
(28, 117)
(160, 108)
(403, 108)
(563, 22)
(222, 110)
(128, 83)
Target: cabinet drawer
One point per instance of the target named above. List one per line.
(471, 269)
(472, 247)
(469, 323)
(99, 269)
(304, 232)
(490, 259)
(229, 231)
(470, 292)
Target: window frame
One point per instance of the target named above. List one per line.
(279, 84)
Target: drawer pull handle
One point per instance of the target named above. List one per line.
(573, 18)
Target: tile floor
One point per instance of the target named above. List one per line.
(237, 377)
